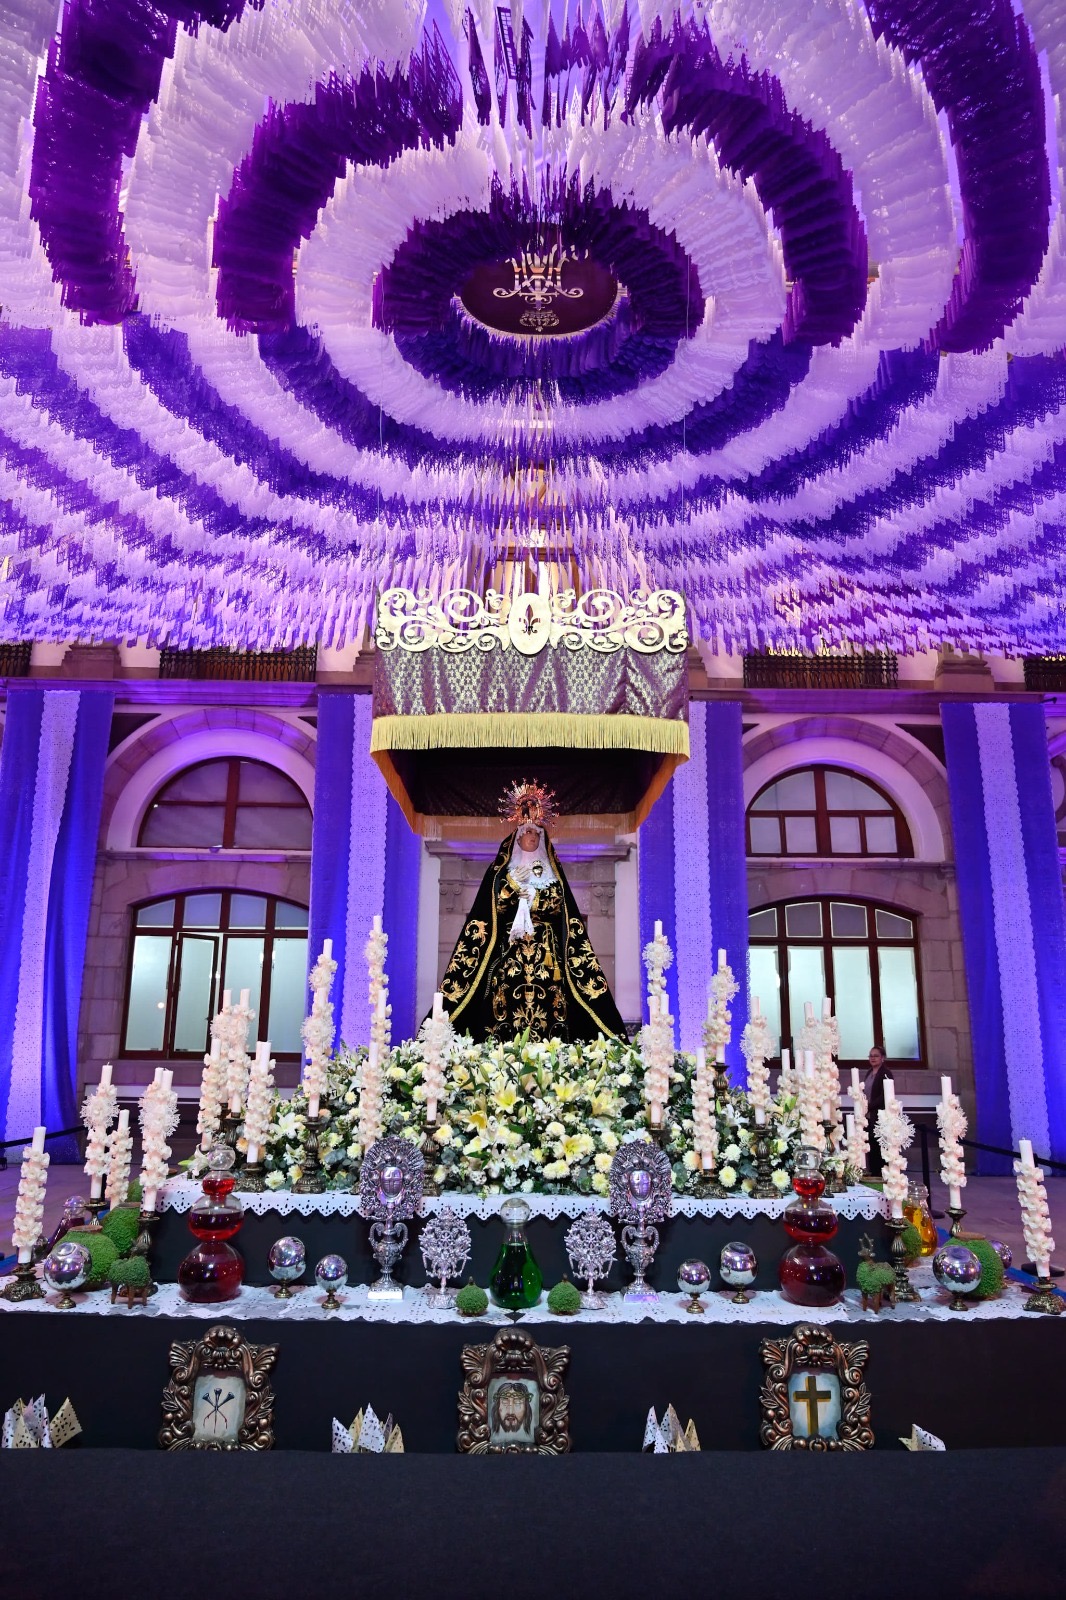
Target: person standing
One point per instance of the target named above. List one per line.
(874, 1089)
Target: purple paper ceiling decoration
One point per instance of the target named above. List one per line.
(244, 383)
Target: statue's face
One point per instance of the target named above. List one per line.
(529, 838)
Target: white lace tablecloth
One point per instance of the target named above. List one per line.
(178, 1194)
(766, 1306)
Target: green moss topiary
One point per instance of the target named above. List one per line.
(471, 1301)
(101, 1250)
(912, 1243)
(122, 1225)
(564, 1299)
(134, 1269)
(134, 1194)
(873, 1275)
(992, 1272)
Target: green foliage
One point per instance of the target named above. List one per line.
(564, 1299)
(873, 1275)
(471, 1301)
(135, 1193)
(122, 1225)
(133, 1270)
(992, 1271)
(912, 1243)
(101, 1250)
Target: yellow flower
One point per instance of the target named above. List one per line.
(443, 1134)
(599, 1183)
(602, 1162)
(555, 1130)
(555, 1170)
(565, 1092)
(396, 1074)
(479, 1120)
(577, 1146)
(603, 1104)
(609, 1141)
(507, 1099)
(295, 1174)
(473, 1148)
(692, 1160)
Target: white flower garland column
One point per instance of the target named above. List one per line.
(318, 1031)
(119, 1160)
(895, 1133)
(951, 1121)
(29, 1204)
(260, 1098)
(212, 1090)
(98, 1113)
(1036, 1218)
(159, 1118)
(859, 1145)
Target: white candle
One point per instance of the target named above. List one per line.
(721, 959)
(377, 924)
(719, 1056)
(383, 1001)
(158, 1077)
(701, 1059)
(849, 1129)
(227, 997)
(945, 1089)
(327, 949)
(827, 1010)
(786, 1059)
(658, 930)
(755, 1006)
(105, 1075)
(827, 1111)
(1025, 1151)
(168, 1079)
(438, 1007)
(245, 995)
(313, 1105)
(760, 1117)
(856, 1086)
(39, 1133)
(890, 1092)
(656, 1114)
(808, 1011)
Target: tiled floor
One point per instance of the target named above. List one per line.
(991, 1206)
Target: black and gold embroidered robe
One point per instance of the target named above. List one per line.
(551, 984)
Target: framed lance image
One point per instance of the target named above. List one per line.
(814, 1396)
(218, 1397)
(513, 1400)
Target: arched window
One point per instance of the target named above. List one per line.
(863, 957)
(185, 950)
(229, 804)
(825, 811)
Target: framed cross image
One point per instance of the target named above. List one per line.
(814, 1396)
(513, 1400)
(218, 1397)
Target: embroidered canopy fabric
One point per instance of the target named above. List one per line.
(254, 367)
(611, 750)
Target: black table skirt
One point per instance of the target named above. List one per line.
(1000, 1383)
(880, 1526)
(680, 1237)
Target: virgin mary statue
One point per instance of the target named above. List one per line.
(523, 962)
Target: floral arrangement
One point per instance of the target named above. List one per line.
(951, 1121)
(718, 1029)
(159, 1118)
(119, 1160)
(318, 1030)
(895, 1134)
(98, 1113)
(756, 1046)
(212, 1088)
(260, 1103)
(542, 1118)
(1036, 1217)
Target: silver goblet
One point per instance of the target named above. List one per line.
(286, 1259)
(694, 1279)
(66, 1268)
(737, 1267)
(331, 1274)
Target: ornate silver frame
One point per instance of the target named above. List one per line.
(390, 1192)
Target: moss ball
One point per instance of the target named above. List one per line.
(564, 1299)
(133, 1270)
(471, 1301)
(992, 1271)
(122, 1224)
(101, 1250)
(912, 1243)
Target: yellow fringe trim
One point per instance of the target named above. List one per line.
(487, 730)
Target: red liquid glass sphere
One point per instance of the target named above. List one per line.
(214, 1271)
(817, 1223)
(810, 1275)
(809, 1185)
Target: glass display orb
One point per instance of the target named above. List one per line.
(66, 1268)
(956, 1269)
(516, 1280)
(737, 1265)
(694, 1279)
(331, 1275)
(1004, 1252)
(809, 1274)
(287, 1259)
(916, 1211)
(214, 1271)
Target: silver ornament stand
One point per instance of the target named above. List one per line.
(639, 1188)
(390, 1193)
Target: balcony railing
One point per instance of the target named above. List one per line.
(15, 660)
(250, 666)
(865, 670)
(1045, 674)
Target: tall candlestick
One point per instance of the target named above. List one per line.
(318, 1032)
(97, 1114)
(120, 1153)
(29, 1202)
(159, 1118)
(951, 1122)
(1036, 1218)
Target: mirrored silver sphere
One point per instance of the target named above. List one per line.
(331, 1272)
(737, 1264)
(67, 1267)
(1004, 1252)
(287, 1259)
(956, 1269)
(693, 1277)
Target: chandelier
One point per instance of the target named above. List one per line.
(539, 279)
